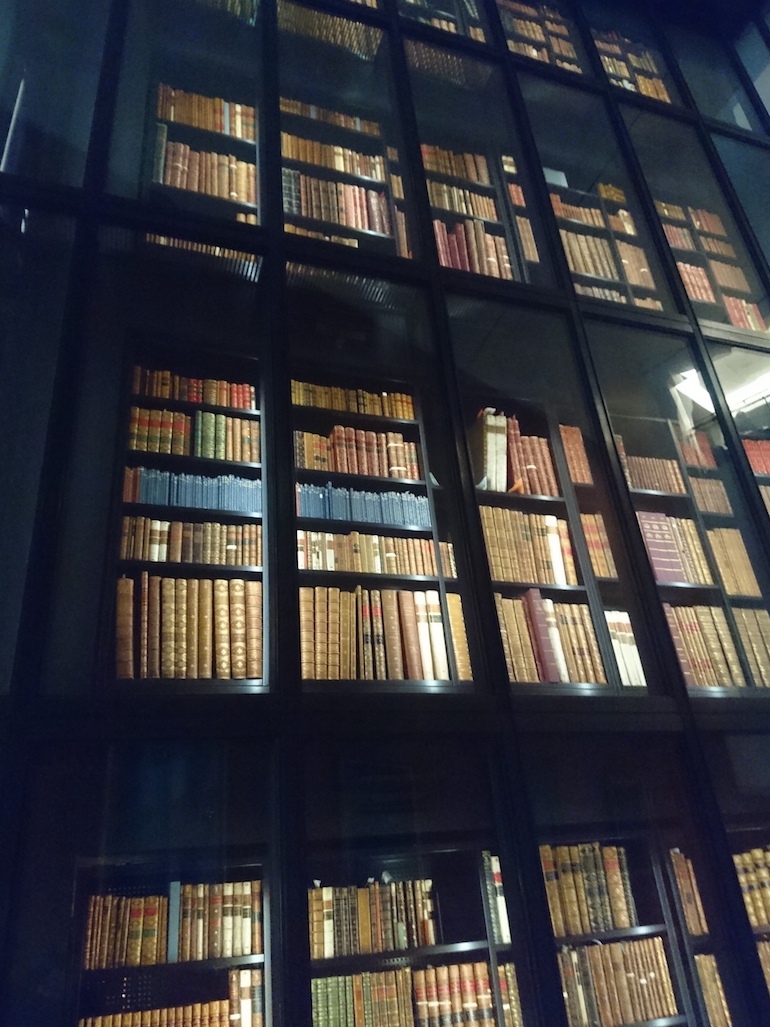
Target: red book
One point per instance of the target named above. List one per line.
(541, 639)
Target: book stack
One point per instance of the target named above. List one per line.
(674, 549)
(504, 460)
(729, 276)
(234, 545)
(372, 554)
(498, 908)
(704, 645)
(351, 921)
(753, 870)
(335, 397)
(351, 122)
(758, 454)
(617, 983)
(341, 203)
(588, 888)
(713, 991)
(383, 635)
(165, 488)
(163, 384)
(203, 171)
(689, 894)
(211, 113)
(188, 628)
(333, 156)
(527, 547)
(711, 496)
(204, 434)
(625, 649)
(696, 282)
(467, 246)
(754, 630)
(733, 562)
(589, 255)
(472, 166)
(602, 560)
(547, 641)
(331, 502)
(356, 451)
(191, 923)
(655, 474)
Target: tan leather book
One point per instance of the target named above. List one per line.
(237, 595)
(191, 628)
(205, 628)
(222, 659)
(124, 629)
(180, 627)
(333, 612)
(167, 627)
(378, 636)
(615, 889)
(550, 877)
(437, 636)
(567, 890)
(307, 632)
(253, 596)
(392, 635)
(507, 649)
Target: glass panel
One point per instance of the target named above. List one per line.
(755, 56)
(709, 252)
(553, 544)
(702, 547)
(605, 239)
(463, 17)
(405, 881)
(712, 80)
(379, 593)
(628, 51)
(544, 33)
(183, 491)
(477, 180)
(50, 55)
(343, 179)
(749, 173)
(34, 269)
(118, 846)
(187, 122)
(618, 845)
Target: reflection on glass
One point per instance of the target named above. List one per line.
(755, 56)
(543, 33)
(700, 540)
(379, 595)
(605, 240)
(477, 182)
(710, 255)
(627, 51)
(749, 173)
(187, 123)
(712, 79)
(463, 17)
(567, 612)
(342, 177)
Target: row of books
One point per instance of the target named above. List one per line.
(711, 496)
(588, 888)
(599, 550)
(504, 460)
(382, 635)
(516, 194)
(165, 488)
(733, 562)
(577, 212)
(589, 255)
(558, 51)
(758, 454)
(674, 548)
(466, 246)
(653, 473)
(351, 921)
(600, 292)
(208, 112)
(164, 384)
(753, 870)
(335, 397)
(204, 434)
(704, 645)
(353, 206)
(719, 246)
(471, 166)
(188, 628)
(754, 630)
(678, 237)
(625, 649)
(332, 156)
(203, 171)
(634, 80)
(696, 282)
(635, 264)
(743, 314)
(617, 983)
(462, 201)
(329, 502)
(547, 641)
(358, 552)
(696, 449)
(713, 991)
(242, 264)
(356, 451)
(689, 893)
(729, 276)
(315, 113)
(192, 922)
(527, 547)
(207, 542)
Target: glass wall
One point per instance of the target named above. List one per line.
(543, 32)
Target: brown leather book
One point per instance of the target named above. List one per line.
(408, 620)
(124, 629)
(222, 661)
(205, 628)
(167, 627)
(254, 634)
(237, 594)
(307, 632)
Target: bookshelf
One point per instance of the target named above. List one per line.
(461, 17)
(710, 268)
(172, 944)
(542, 33)
(421, 948)
(610, 926)
(189, 590)
(632, 65)
(378, 599)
